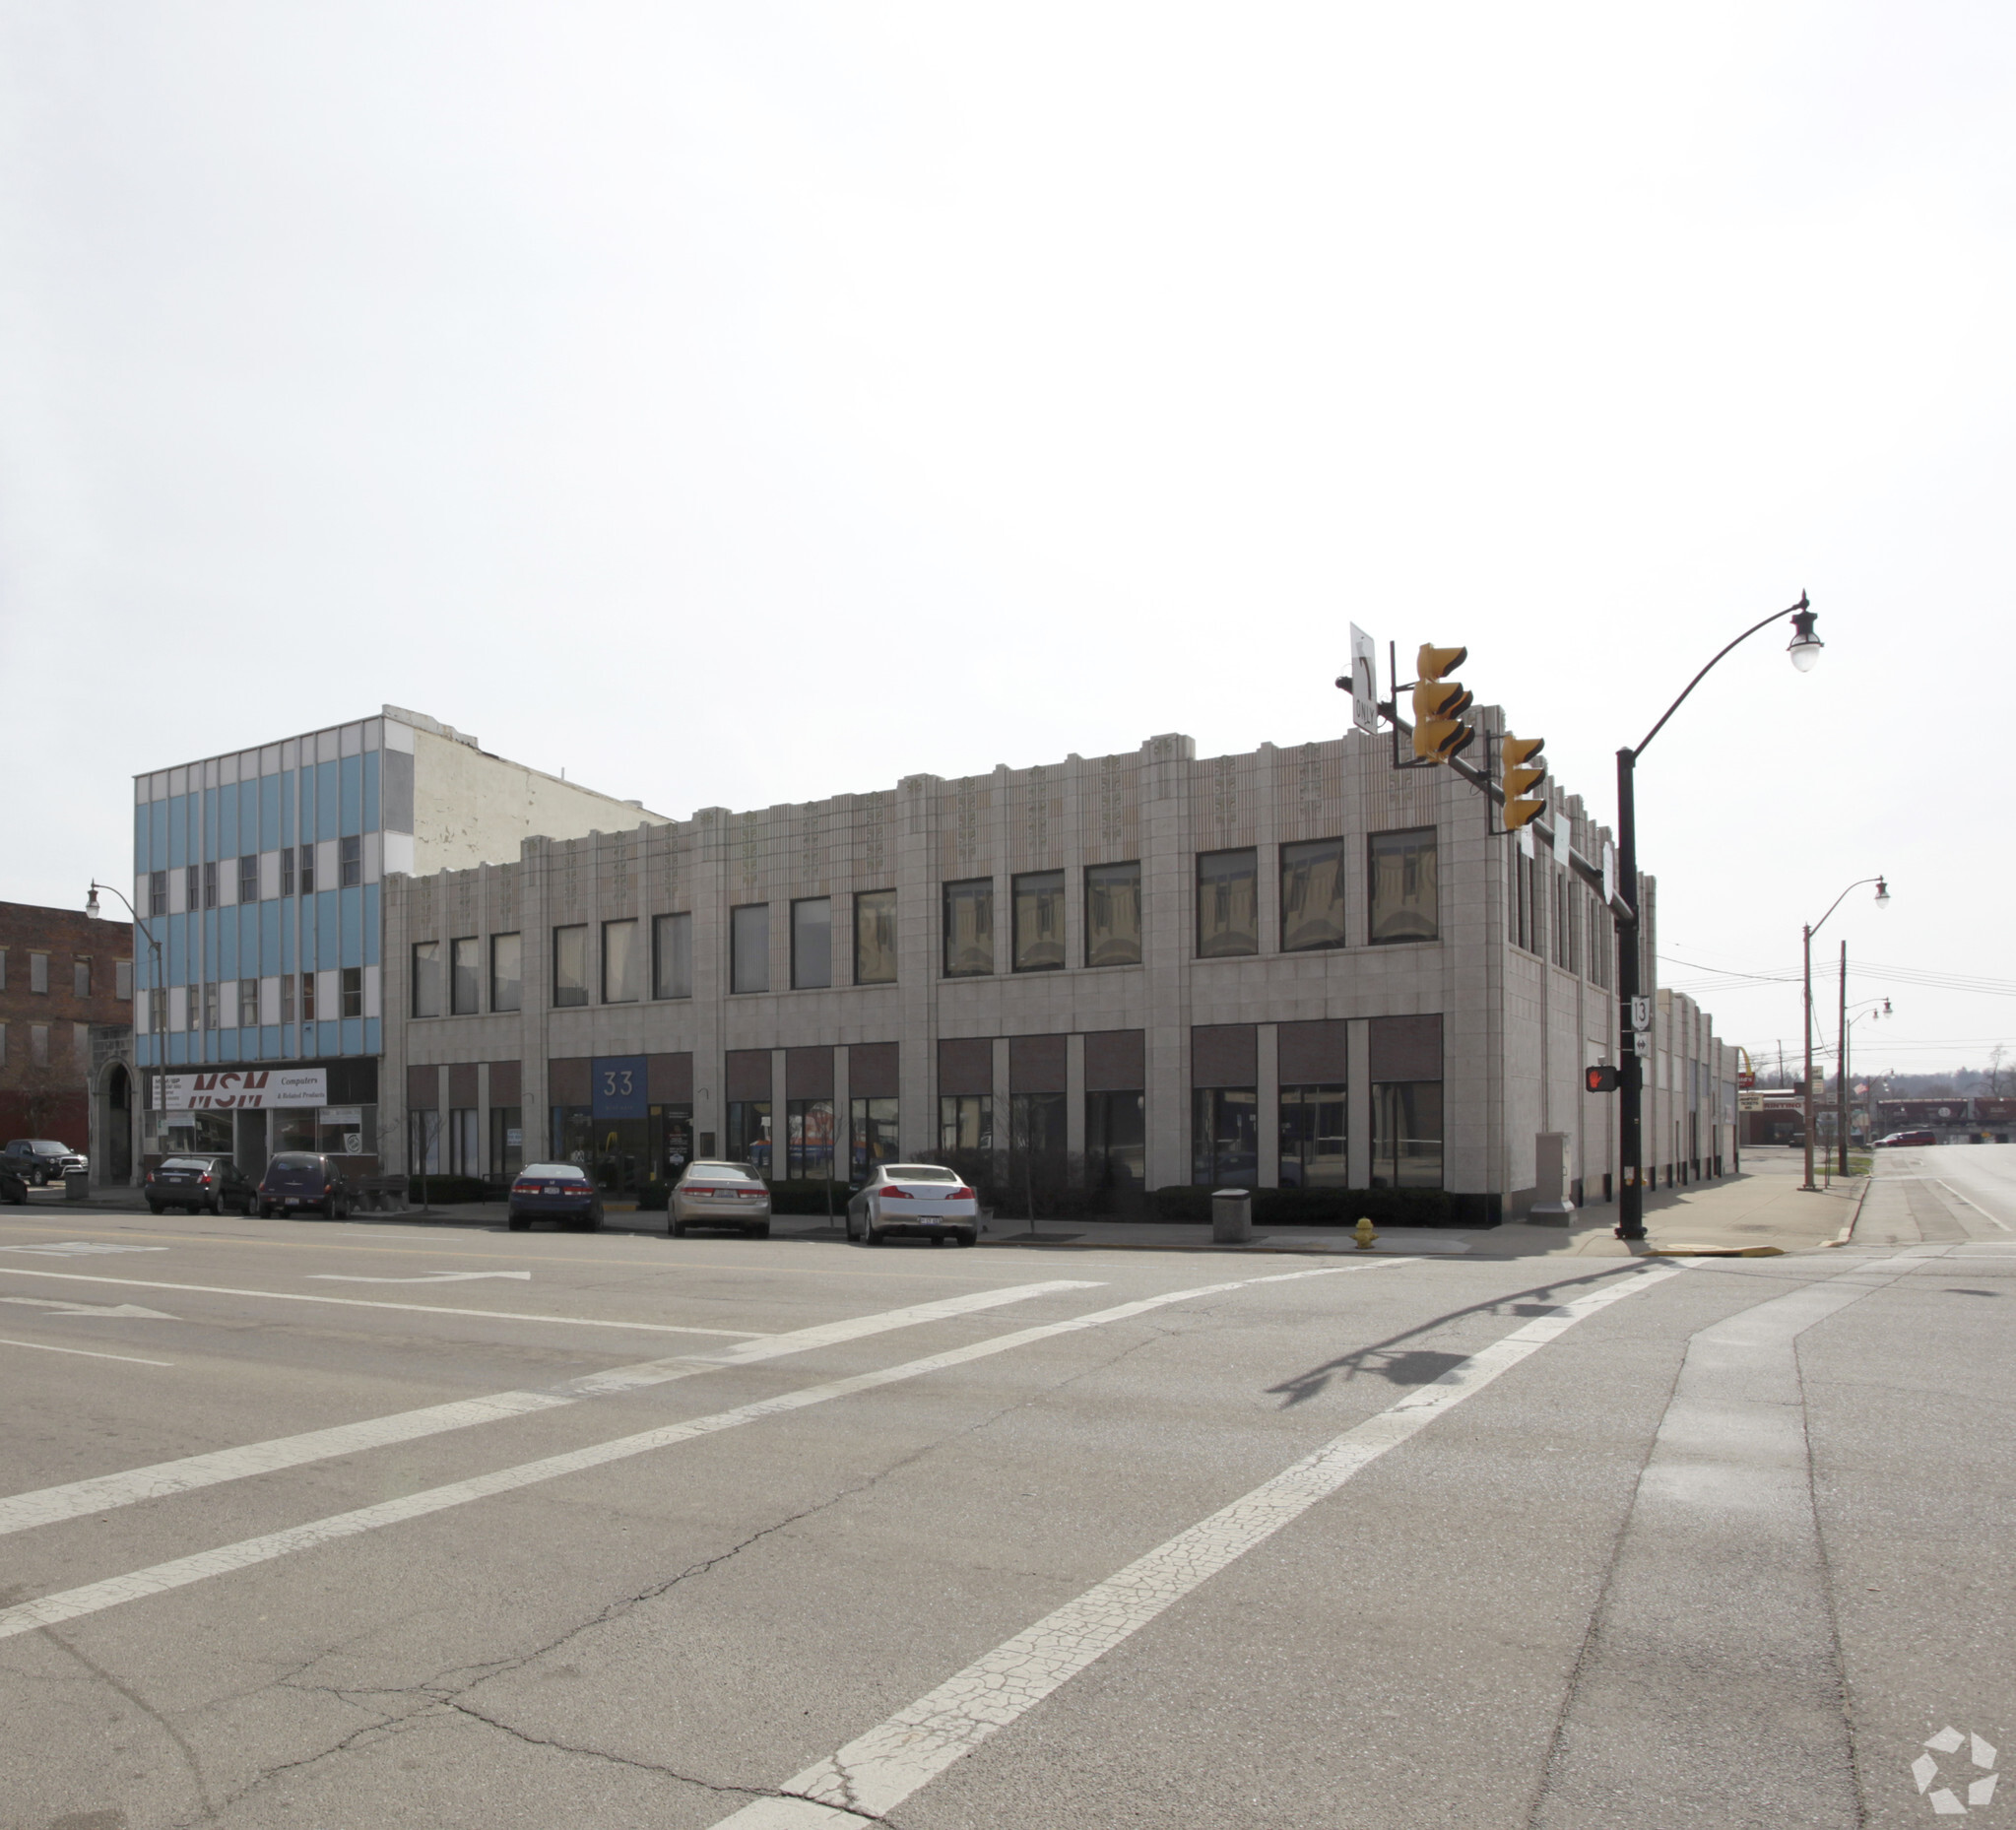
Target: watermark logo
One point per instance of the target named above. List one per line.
(1945, 1802)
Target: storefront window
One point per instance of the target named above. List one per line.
(1225, 1136)
(871, 1131)
(507, 1140)
(748, 1133)
(1312, 1122)
(424, 1135)
(809, 1140)
(1406, 1134)
(966, 1122)
(1116, 1144)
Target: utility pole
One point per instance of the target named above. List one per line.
(1841, 1070)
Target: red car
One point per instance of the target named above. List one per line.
(1898, 1138)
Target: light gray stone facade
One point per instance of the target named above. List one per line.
(1517, 1022)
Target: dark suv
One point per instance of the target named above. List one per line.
(201, 1184)
(298, 1179)
(41, 1160)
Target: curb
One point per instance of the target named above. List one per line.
(1141, 1245)
(1848, 1233)
(1717, 1251)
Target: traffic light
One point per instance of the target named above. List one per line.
(1599, 1080)
(1523, 773)
(1439, 704)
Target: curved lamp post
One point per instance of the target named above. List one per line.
(1879, 1008)
(1813, 928)
(1804, 652)
(157, 996)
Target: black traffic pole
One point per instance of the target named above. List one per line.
(1804, 650)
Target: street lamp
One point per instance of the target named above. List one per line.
(1880, 1008)
(1805, 651)
(157, 995)
(1813, 928)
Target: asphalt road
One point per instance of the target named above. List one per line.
(317, 1525)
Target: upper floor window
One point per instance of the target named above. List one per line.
(287, 870)
(672, 956)
(156, 893)
(1403, 886)
(812, 944)
(350, 861)
(248, 878)
(570, 964)
(80, 978)
(1038, 912)
(352, 991)
(192, 886)
(1113, 915)
(307, 870)
(969, 928)
(426, 978)
(38, 973)
(749, 947)
(210, 885)
(507, 971)
(623, 963)
(465, 977)
(875, 937)
(1227, 903)
(122, 978)
(1313, 894)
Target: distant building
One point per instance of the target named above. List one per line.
(1297, 967)
(62, 977)
(258, 877)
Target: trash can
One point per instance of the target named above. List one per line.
(76, 1184)
(1231, 1216)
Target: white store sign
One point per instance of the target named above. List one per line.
(259, 1089)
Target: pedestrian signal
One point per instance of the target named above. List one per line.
(1524, 774)
(1599, 1080)
(1439, 704)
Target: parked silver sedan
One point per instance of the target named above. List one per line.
(922, 1200)
(729, 1195)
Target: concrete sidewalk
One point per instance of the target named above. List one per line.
(1760, 1208)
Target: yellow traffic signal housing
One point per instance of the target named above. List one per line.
(1523, 773)
(1439, 705)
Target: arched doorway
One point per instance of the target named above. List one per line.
(117, 1129)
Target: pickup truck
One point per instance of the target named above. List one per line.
(41, 1160)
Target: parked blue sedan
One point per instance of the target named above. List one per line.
(558, 1192)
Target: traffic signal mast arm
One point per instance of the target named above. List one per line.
(1591, 874)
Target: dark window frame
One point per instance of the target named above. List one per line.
(663, 927)
(1094, 885)
(1217, 950)
(1061, 891)
(1371, 850)
(798, 981)
(1337, 847)
(636, 961)
(427, 954)
(456, 1007)
(947, 900)
(872, 904)
(517, 980)
(736, 988)
(571, 997)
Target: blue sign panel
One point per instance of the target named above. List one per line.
(618, 1086)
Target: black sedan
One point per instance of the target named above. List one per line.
(202, 1184)
(13, 1187)
(560, 1191)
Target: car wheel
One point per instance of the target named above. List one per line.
(869, 1235)
(937, 1239)
(969, 1238)
(36, 1179)
(155, 1210)
(756, 1232)
(517, 1222)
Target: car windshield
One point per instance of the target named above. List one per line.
(917, 1172)
(718, 1172)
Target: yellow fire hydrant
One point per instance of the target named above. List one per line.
(1364, 1234)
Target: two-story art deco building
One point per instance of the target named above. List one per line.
(1302, 966)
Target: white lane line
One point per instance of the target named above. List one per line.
(366, 1302)
(1975, 1205)
(20, 1512)
(84, 1353)
(62, 1307)
(80, 1248)
(874, 1774)
(431, 1276)
(94, 1597)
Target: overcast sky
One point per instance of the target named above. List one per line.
(737, 403)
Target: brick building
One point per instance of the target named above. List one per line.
(62, 976)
